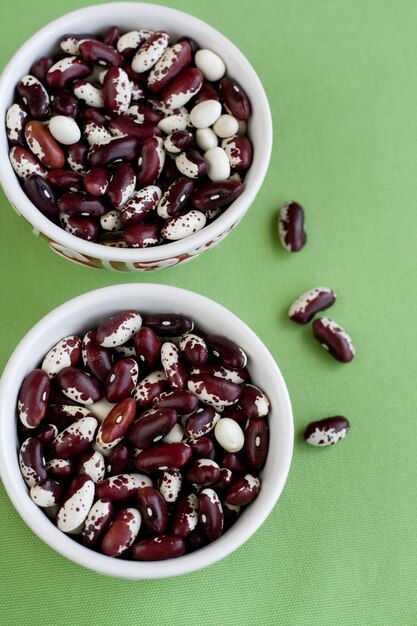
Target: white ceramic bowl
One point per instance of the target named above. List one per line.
(84, 312)
(129, 15)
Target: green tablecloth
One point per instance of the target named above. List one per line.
(341, 545)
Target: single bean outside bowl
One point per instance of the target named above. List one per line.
(127, 16)
(83, 312)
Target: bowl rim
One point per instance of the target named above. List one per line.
(259, 167)
(62, 543)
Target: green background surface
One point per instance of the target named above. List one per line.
(341, 545)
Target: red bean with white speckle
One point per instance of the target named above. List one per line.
(291, 227)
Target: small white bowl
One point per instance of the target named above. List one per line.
(84, 312)
(128, 15)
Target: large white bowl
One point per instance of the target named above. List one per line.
(84, 312)
(129, 15)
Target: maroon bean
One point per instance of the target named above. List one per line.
(230, 514)
(89, 114)
(174, 368)
(78, 385)
(291, 227)
(151, 161)
(79, 203)
(222, 484)
(234, 463)
(202, 472)
(334, 339)
(196, 540)
(77, 157)
(327, 431)
(122, 487)
(191, 163)
(311, 302)
(16, 117)
(99, 360)
(185, 516)
(124, 125)
(116, 91)
(207, 92)
(69, 43)
(33, 398)
(118, 460)
(122, 184)
(210, 513)
(214, 391)
(149, 429)
(147, 347)
(63, 415)
(151, 386)
(34, 96)
(153, 509)
(216, 194)
(40, 68)
(141, 113)
(32, 462)
(59, 469)
(181, 401)
(163, 456)
(158, 548)
(97, 522)
(229, 353)
(75, 439)
(243, 490)
(116, 425)
(121, 380)
(112, 35)
(184, 86)
(169, 324)
(239, 151)
(65, 180)
(142, 235)
(96, 181)
(202, 447)
(99, 52)
(234, 98)
(175, 198)
(45, 433)
(236, 413)
(122, 532)
(256, 443)
(169, 65)
(120, 148)
(64, 103)
(194, 349)
(118, 329)
(42, 195)
(67, 70)
(254, 402)
(201, 422)
(237, 376)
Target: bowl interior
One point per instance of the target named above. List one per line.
(129, 16)
(82, 313)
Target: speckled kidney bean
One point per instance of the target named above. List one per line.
(151, 428)
(98, 359)
(64, 104)
(66, 70)
(234, 463)
(327, 431)
(254, 402)
(115, 425)
(237, 376)
(82, 227)
(122, 532)
(239, 151)
(169, 484)
(96, 135)
(210, 513)
(236, 413)
(181, 401)
(174, 368)
(65, 353)
(202, 472)
(311, 302)
(99, 52)
(183, 225)
(334, 339)
(43, 145)
(185, 517)
(202, 447)
(194, 349)
(201, 422)
(151, 160)
(96, 181)
(76, 504)
(120, 148)
(150, 387)
(116, 91)
(229, 353)
(214, 391)
(59, 469)
(121, 380)
(124, 126)
(291, 227)
(25, 164)
(34, 96)
(78, 385)
(184, 87)
(153, 509)
(147, 347)
(42, 195)
(150, 52)
(98, 520)
(77, 157)
(118, 329)
(63, 415)
(118, 460)
(65, 180)
(170, 324)
(46, 493)
(16, 118)
(169, 65)
(88, 93)
(256, 443)
(216, 194)
(178, 141)
(243, 490)
(122, 487)
(46, 433)
(91, 463)
(33, 398)
(191, 164)
(75, 439)
(32, 462)
(122, 184)
(140, 206)
(159, 548)
(175, 198)
(163, 456)
(40, 68)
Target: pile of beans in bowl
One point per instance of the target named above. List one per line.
(130, 139)
(145, 437)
